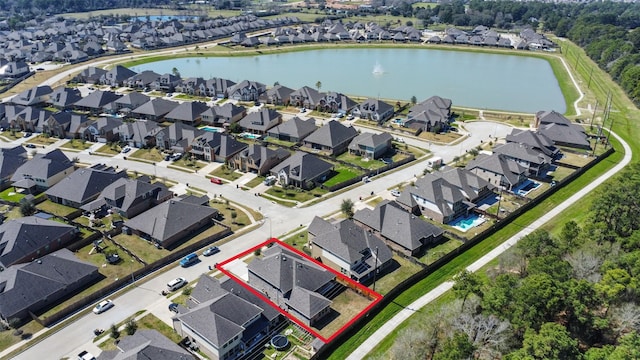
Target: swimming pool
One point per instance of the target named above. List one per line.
(250, 136)
(212, 129)
(464, 224)
(528, 187)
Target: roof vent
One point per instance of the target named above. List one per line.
(39, 261)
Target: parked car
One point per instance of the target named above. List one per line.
(85, 355)
(27, 134)
(210, 251)
(126, 149)
(167, 158)
(189, 260)
(176, 156)
(395, 193)
(173, 307)
(103, 306)
(176, 283)
(30, 146)
(215, 180)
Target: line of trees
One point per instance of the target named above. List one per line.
(574, 294)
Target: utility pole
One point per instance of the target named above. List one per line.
(593, 116)
(375, 270)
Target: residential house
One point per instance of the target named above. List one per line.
(28, 238)
(259, 122)
(499, 170)
(146, 344)
(306, 97)
(333, 138)
(177, 137)
(37, 95)
(536, 162)
(31, 119)
(130, 197)
(223, 115)
(226, 320)
(432, 115)
(561, 131)
(131, 101)
(219, 87)
(43, 171)
(302, 170)
(278, 95)
(65, 125)
(437, 198)
(39, 285)
(536, 141)
(189, 112)
(213, 146)
(171, 221)
(349, 249)
(374, 110)
(117, 76)
(10, 160)
(246, 91)
(154, 109)
(14, 69)
(370, 145)
(258, 159)
(142, 80)
(83, 185)
(402, 231)
(90, 75)
(96, 101)
(193, 86)
(293, 283)
(293, 130)
(336, 103)
(63, 97)
(140, 133)
(102, 130)
(166, 82)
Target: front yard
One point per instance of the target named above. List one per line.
(109, 149)
(227, 173)
(75, 144)
(151, 155)
(227, 209)
(42, 140)
(295, 194)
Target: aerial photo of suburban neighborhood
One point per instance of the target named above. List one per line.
(319, 180)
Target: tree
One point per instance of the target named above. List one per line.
(457, 347)
(318, 85)
(114, 331)
(27, 207)
(553, 342)
(414, 100)
(175, 72)
(538, 299)
(234, 215)
(489, 335)
(467, 283)
(347, 208)
(131, 327)
(629, 348)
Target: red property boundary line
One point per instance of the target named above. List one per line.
(288, 247)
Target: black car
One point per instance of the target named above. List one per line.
(173, 307)
(30, 146)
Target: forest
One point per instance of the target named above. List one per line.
(569, 295)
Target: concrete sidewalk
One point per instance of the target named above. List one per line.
(404, 314)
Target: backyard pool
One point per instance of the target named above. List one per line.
(212, 129)
(250, 136)
(527, 187)
(464, 224)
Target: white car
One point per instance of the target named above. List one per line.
(176, 284)
(395, 193)
(103, 306)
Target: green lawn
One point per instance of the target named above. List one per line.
(370, 164)
(55, 209)
(42, 140)
(151, 154)
(144, 249)
(7, 338)
(9, 194)
(75, 144)
(254, 182)
(440, 250)
(239, 222)
(399, 273)
(275, 141)
(296, 194)
(110, 149)
(343, 174)
(227, 173)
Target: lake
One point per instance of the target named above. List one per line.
(478, 80)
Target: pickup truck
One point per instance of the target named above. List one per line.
(85, 355)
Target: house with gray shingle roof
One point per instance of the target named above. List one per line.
(348, 248)
(401, 230)
(373, 109)
(499, 170)
(370, 145)
(63, 97)
(140, 133)
(146, 344)
(102, 130)
(171, 221)
(116, 76)
(166, 82)
(217, 147)
(223, 115)
(332, 138)
(306, 97)
(259, 122)
(154, 109)
(189, 112)
(40, 285)
(432, 114)
(534, 140)
(336, 103)
(293, 130)
(536, 162)
(258, 159)
(90, 75)
(278, 95)
(10, 160)
(83, 185)
(226, 319)
(130, 197)
(65, 125)
(561, 131)
(246, 91)
(43, 171)
(293, 283)
(131, 101)
(27, 238)
(302, 170)
(96, 101)
(31, 119)
(474, 188)
(142, 80)
(177, 136)
(35, 96)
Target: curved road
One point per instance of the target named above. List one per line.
(405, 313)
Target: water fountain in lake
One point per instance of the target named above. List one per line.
(378, 69)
